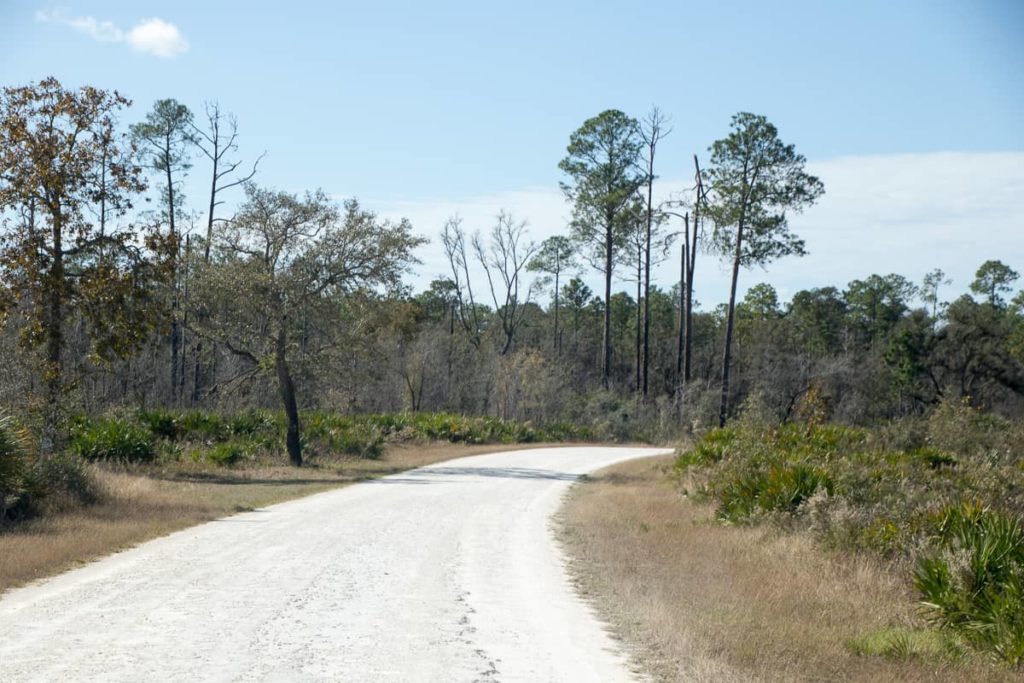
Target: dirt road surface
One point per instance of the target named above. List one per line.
(445, 573)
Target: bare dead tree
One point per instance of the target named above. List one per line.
(453, 238)
(691, 236)
(217, 142)
(505, 259)
(647, 245)
(652, 130)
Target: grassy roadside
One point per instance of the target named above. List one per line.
(697, 600)
(139, 504)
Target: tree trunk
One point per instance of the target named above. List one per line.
(175, 331)
(200, 371)
(54, 342)
(647, 275)
(639, 324)
(609, 240)
(213, 204)
(557, 346)
(723, 410)
(287, 391)
(683, 287)
(691, 243)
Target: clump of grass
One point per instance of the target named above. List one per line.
(113, 440)
(907, 643)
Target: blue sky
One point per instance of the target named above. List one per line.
(425, 108)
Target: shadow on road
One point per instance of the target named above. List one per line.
(431, 475)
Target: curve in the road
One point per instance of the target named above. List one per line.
(444, 573)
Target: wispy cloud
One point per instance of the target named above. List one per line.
(902, 214)
(152, 36)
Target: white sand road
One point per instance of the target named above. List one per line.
(445, 573)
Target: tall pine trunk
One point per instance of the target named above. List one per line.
(647, 276)
(609, 245)
(688, 350)
(684, 285)
(175, 329)
(557, 345)
(723, 411)
(639, 325)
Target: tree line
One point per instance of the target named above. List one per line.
(295, 301)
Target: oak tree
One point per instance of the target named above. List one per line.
(64, 174)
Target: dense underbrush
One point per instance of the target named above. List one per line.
(31, 484)
(941, 498)
(229, 439)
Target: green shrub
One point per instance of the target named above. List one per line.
(252, 423)
(361, 441)
(202, 424)
(61, 479)
(895, 491)
(113, 440)
(975, 584)
(781, 488)
(933, 457)
(162, 424)
(712, 448)
(225, 454)
(13, 464)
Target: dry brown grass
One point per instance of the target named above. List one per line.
(140, 505)
(696, 600)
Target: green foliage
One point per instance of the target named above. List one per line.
(755, 179)
(780, 488)
(202, 424)
(944, 494)
(226, 454)
(974, 584)
(13, 464)
(113, 440)
(904, 643)
(253, 423)
(57, 481)
(162, 424)
(710, 449)
(228, 439)
(993, 280)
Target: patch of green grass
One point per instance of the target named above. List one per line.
(906, 643)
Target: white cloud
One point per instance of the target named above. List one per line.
(157, 37)
(150, 36)
(905, 213)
